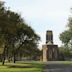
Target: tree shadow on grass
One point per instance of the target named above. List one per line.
(34, 65)
(30, 66)
(12, 66)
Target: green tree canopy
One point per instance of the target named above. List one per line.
(66, 38)
(15, 33)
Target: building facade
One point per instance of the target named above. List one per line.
(50, 51)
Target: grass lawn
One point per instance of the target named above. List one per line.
(33, 66)
(68, 62)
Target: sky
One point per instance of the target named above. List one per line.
(43, 15)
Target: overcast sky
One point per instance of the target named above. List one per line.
(43, 15)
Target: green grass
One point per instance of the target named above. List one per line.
(68, 62)
(32, 66)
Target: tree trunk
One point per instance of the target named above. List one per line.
(14, 58)
(3, 60)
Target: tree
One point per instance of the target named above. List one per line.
(15, 33)
(66, 37)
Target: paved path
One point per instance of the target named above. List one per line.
(57, 67)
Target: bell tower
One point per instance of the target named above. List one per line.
(50, 50)
(49, 37)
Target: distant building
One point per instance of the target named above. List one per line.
(50, 51)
